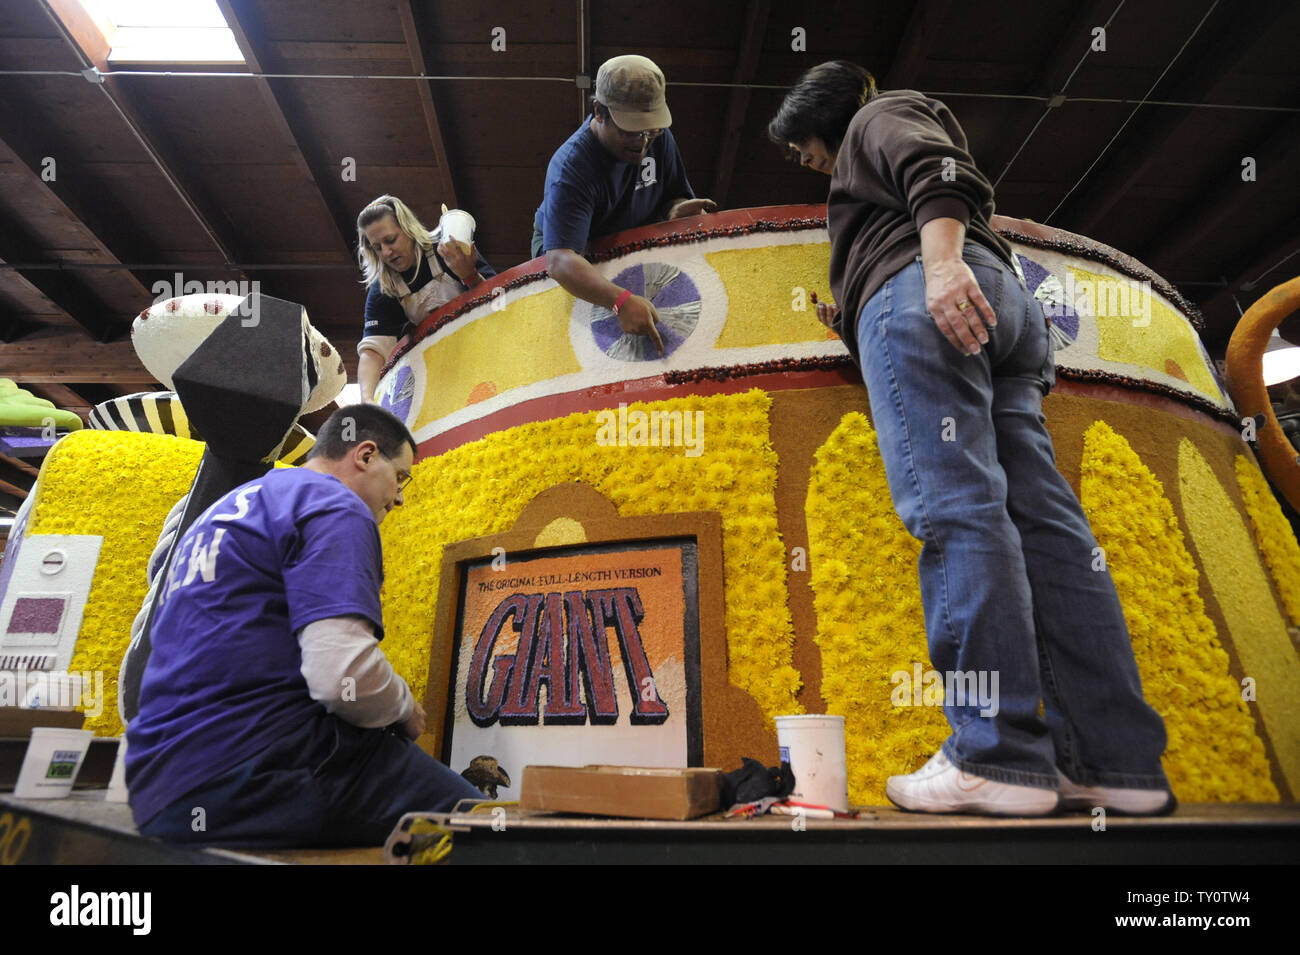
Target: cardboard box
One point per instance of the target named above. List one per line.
(631, 792)
(17, 722)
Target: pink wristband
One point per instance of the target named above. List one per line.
(623, 297)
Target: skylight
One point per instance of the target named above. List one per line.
(164, 31)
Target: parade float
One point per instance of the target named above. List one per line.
(609, 555)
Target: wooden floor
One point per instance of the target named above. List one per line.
(85, 829)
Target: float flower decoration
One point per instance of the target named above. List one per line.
(1214, 752)
(734, 474)
(870, 623)
(1273, 534)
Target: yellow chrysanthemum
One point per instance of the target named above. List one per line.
(1273, 534)
(1213, 751)
(869, 618)
(91, 483)
(490, 481)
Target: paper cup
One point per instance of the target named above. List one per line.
(117, 782)
(814, 748)
(53, 759)
(459, 225)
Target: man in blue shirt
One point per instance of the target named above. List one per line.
(268, 715)
(619, 170)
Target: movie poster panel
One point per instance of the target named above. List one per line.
(578, 655)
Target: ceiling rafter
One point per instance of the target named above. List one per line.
(59, 286)
(914, 46)
(1214, 207)
(1260, 273)
(68, 293)
(414, 49)
(250, 38)
(1058, 67)
(747, 56)
(1231, 38)
(89, 47)
(13, 489)
(12, 325)
(62, 395)
(70, 357)
(81, 198)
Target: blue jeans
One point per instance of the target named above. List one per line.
(327, 784)
(1007, 560)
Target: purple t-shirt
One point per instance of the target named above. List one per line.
(224, 678)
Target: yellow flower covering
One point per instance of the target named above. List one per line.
(1240, 587)
(761, 296)
(121, 485)
(468, 359)
(1213, 753)
(481, 488)
(869, 618)
(1273, 534)
(1122, 306)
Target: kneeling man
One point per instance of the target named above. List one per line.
(268, 714)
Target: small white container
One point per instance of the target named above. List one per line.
(813, 745)
(54, 757)
(117, 782)
(459, 225)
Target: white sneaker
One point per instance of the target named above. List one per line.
(1131, 802)
(939, 786)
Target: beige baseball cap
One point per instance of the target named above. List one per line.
(632, 87)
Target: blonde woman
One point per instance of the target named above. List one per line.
(408, 272)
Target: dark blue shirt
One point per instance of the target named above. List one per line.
(224, 678)
(590, 193)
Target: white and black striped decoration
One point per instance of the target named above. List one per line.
(160, 412)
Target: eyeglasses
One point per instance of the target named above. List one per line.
(402, 482)
(649, 135)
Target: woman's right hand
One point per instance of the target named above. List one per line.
(464, 265)
(826, 312)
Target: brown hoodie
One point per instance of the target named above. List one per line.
(890, 179)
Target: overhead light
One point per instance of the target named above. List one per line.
(164, 31)
(1281, 360)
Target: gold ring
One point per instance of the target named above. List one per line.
(963, 305)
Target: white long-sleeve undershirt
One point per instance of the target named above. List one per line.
(349, 675)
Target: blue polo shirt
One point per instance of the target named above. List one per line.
(590, 194)
(224, 678)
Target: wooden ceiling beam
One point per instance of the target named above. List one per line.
(747, 56)
(1260, 273)
(1214, 212)
(1220, 51)
(87, 44)
(914, 46)
(77, 196)
(12, 325)
(1057, 68)
(60, 286)
(61, 395)
(250, 37)
(14, 489)
(414, 49)
(71, 357)
(28, 179)
(18, 465)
